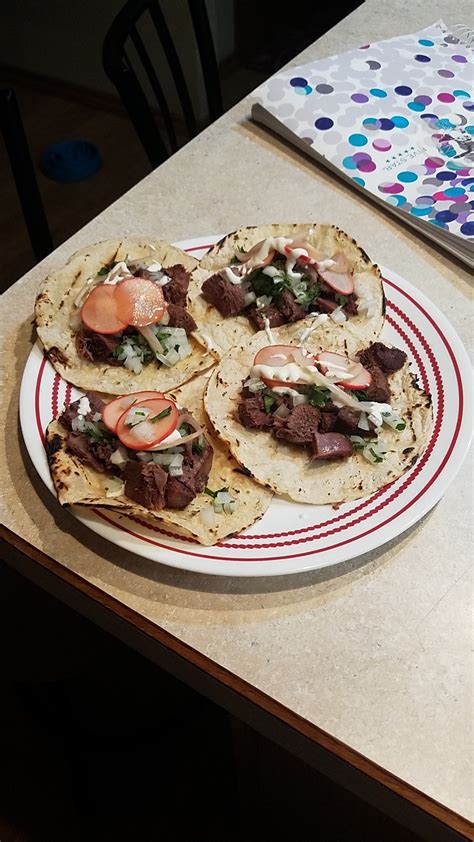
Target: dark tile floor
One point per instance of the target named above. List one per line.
(98, 745)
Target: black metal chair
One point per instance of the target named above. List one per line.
(119, 59)
(16, 144)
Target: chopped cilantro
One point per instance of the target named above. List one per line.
(95, 435)
(317, 395)
(375, 455)
(107, 268)
(184, 430)
(241, 249)
(268, 402)
(213, 494)
(161, 414)
(198, 447)
(359, 394)
(117, 351)
(401, 426)
(341, 299)
(312, 292)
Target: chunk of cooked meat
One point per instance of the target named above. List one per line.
(179, 317)
(330, 446)
(228, 298)
(145, 483)
(300, 424)
(387, 359)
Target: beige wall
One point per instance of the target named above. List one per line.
(63, 39)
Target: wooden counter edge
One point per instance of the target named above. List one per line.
(10, 541)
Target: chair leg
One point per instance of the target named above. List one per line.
(24, 174)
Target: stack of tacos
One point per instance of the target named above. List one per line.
(211, 386)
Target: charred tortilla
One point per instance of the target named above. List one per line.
(220, 333)
(55, 306)
(287, 469)
(77, 483)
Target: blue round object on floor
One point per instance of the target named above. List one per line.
(70, 160)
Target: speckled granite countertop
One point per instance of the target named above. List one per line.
(376, 651)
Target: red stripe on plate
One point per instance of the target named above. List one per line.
(37, 398)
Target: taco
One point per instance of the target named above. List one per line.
(325, 426)
(115, 317)
(152, 456)
(272, 275)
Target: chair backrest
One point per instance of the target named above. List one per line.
(16, 144)
(118, 64)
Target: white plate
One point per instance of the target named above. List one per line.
(292, 537)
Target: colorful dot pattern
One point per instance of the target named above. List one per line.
(406, 136)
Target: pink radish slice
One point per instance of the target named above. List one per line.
(160, 419)
(314, 256)
(343, 283)
(340, 265)
(115, 408)
(251, 255)
(361, 378)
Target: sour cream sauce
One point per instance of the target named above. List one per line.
(309, 375)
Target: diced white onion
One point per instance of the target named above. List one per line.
(338, 316)
(78, 424)
(175, 471)
(223, 502)
(164, 459)
(363, 421)
(223, 497)
(296, 400)
(253, 384)
(249, 297)
(133, 364)
(393, 420)
(84, 406)
(282, 411)
(263, 301)
(184, 439)
(374, 452)
(136, 415)
(119, 457)
(169, 359)
(145, 457)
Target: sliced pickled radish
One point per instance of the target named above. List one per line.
(314, 256)
(114, 409)
(340, 265)
(140, 301)
(252, 255)
(100, 311)
(276, 356)
(357, 376)
(161, 418)
(341, 282)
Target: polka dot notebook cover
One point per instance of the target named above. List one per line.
(397, 119)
